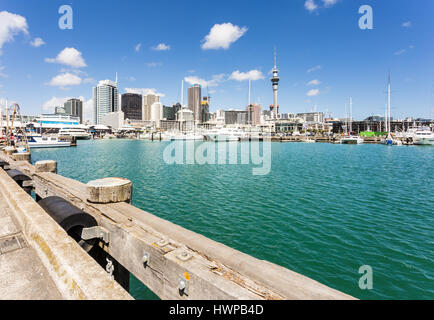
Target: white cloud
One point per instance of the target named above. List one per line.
(132, 79)
(65, 79)
(10, 25)
(89, 80)
(2, 74)
(70, 57)
(221, 36)
(399, 52)
(314, 82)
(251, 75)
(312, 93)
(314, 69)
(137, 47)
(407, 24)
(144, 91)
(214, 82)
(87, 108)
(48, 106)
(153, 64)
(37, 42)
(329, 3)
(310, 5)
(161, 47)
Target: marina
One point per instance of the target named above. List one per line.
(217, 156)
(343, 208)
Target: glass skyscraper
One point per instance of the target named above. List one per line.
(105, 99)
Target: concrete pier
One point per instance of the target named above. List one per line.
(175, 263)
(38, 260)
(22, 273)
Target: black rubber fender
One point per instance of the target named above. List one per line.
(19, 178)
(3, 164)
(70, 218)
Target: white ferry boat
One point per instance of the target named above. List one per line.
(46, 142)
(78, 133)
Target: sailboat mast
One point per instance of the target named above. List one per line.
(385, 117)
(182, 93)
(388, 104)
(1, 122)
(346, 120)
(351, 115)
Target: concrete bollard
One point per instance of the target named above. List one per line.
(46, 166)
(22, 156)
(109, 190)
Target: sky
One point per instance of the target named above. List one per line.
(323, 55)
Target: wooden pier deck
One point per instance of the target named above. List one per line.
(22, 273)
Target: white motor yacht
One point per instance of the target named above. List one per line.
(187, 136)
(423, 136)
(351, 140)
(220, 135)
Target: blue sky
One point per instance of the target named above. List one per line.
(323, 55)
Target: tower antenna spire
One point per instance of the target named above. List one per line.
(275, 57)
(275, 83)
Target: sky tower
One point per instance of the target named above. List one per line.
(275, 81)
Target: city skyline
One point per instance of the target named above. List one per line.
(320, 63)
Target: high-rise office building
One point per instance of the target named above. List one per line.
(194, 99)
(148, 101)
(204, 110)
(254, 114)
(105, 99)
(74, 107)
(157, 113)
(132, 106)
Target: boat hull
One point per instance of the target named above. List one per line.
(49, 145)
(424, 142)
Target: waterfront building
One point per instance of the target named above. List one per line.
(194, 99)
(317, 117)
(115, 120)
(54, 122)
(132, 106)
(169, 125)
(105, 99)
(148, 101)
(186, 119)
(74, 107)
(236, 117)
(288, 125)
(59, 110)
(377, 124)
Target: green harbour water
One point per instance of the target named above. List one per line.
(323, 211)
